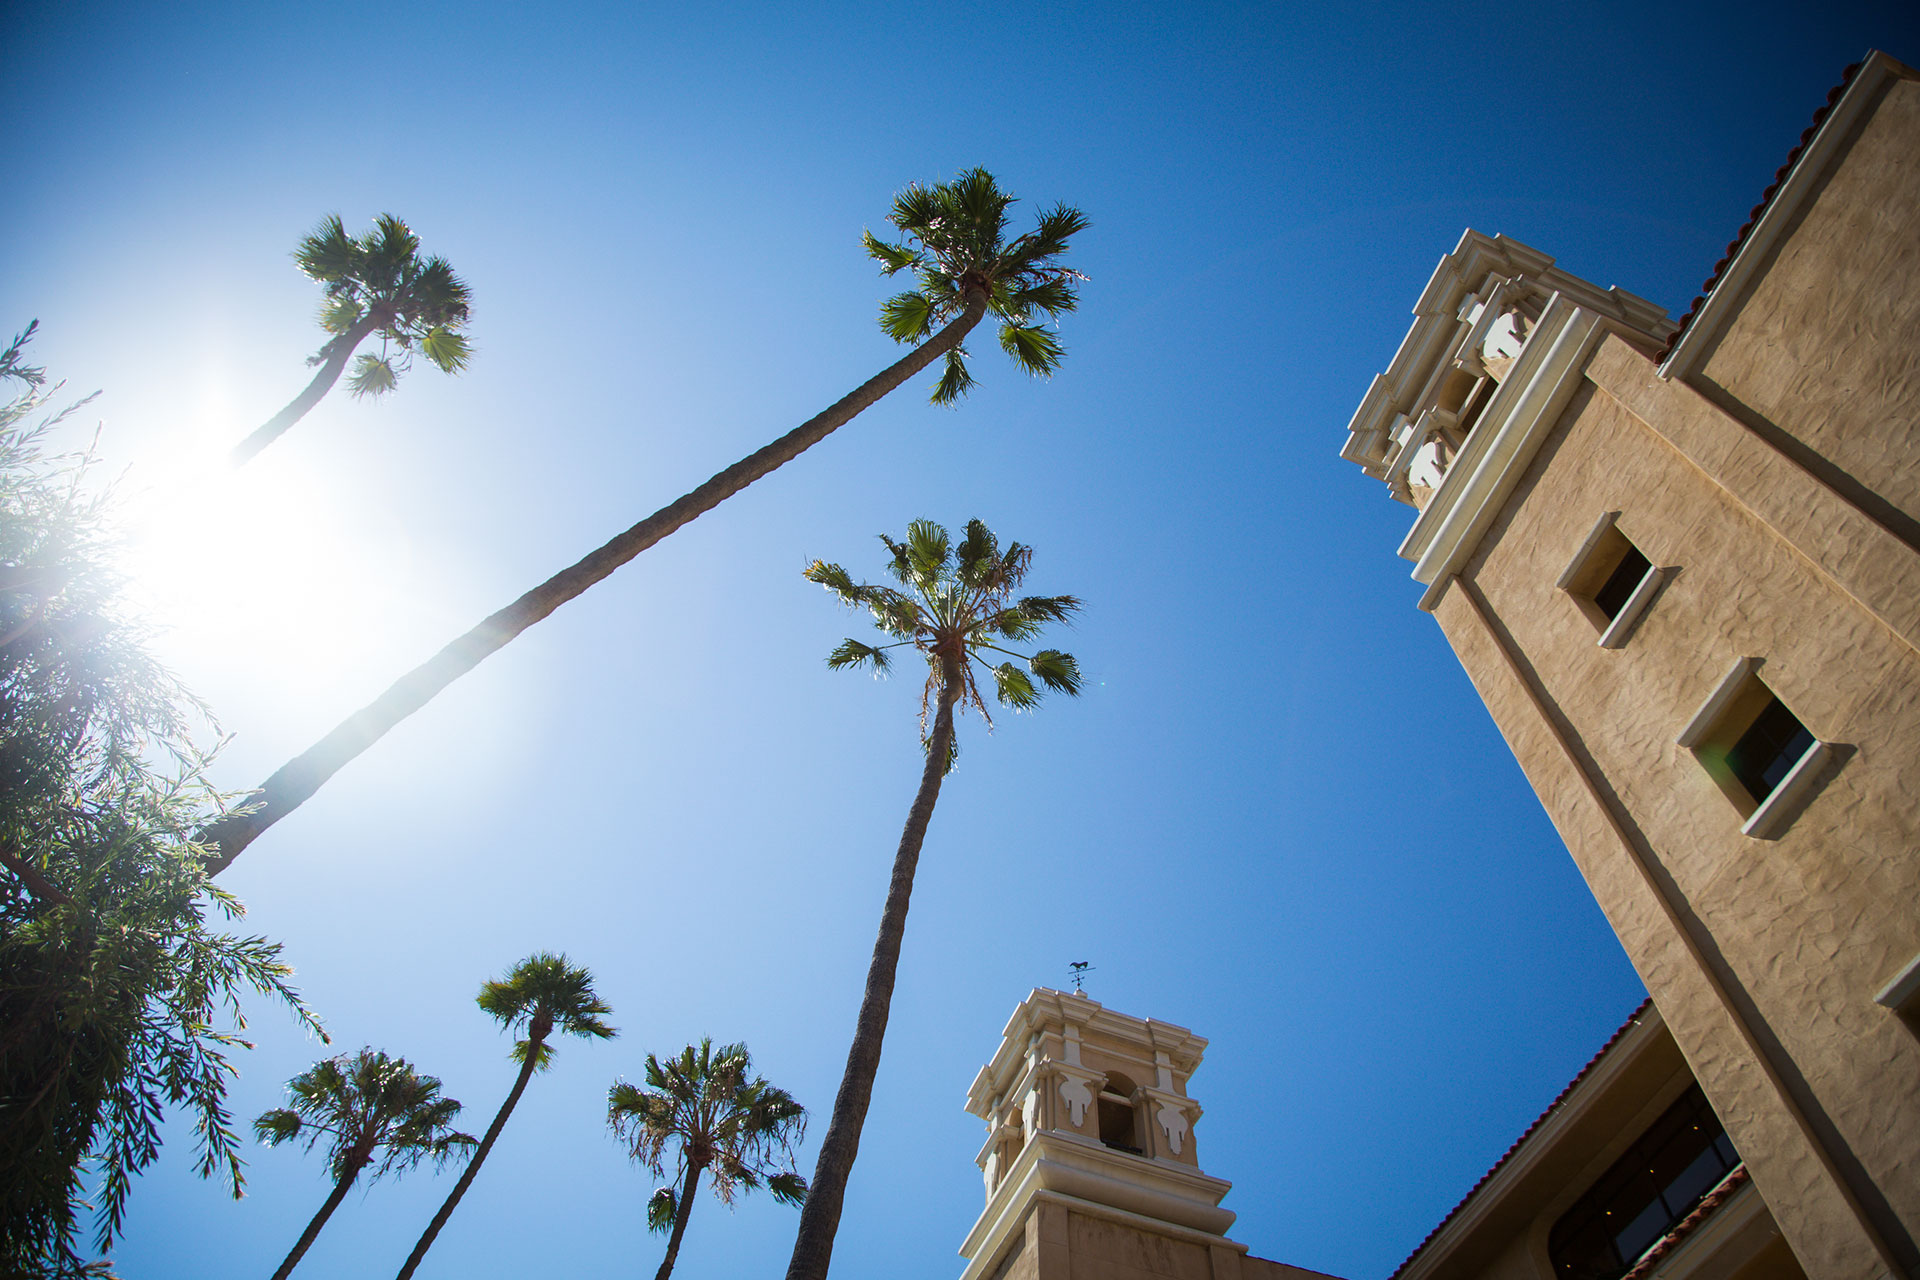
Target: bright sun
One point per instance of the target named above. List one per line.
(274, 593)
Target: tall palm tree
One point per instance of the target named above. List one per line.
(376, 284)
(954, 606)
(955, 244)
(707, 1105)
(365, 1105)
(543, 994)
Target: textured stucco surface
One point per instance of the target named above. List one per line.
(1844, 380)
(1104, 1249)
(1059, 1243)
(1802, 930)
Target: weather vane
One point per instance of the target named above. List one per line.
(1080, 970)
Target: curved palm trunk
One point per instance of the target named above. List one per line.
(319, 1221)
(341, 351)
(300, 777)
(820, 1216)
(473, 1166)
(681, 1212)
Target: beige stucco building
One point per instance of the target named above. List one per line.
(1680, 562)
(1681, 565)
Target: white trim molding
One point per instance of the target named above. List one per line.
(1514, 426)
(1615, 636)
(1717, 702)
(1902, 994)
(1576, 566)
(1785, 801)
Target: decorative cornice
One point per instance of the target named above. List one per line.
(1497, 454)
(1479, 264)
(1159, 1193)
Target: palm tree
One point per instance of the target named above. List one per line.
(375, 284)
(957, 606)
(964, 266)
(542, 994)
(365, 1104)
(720, 1118)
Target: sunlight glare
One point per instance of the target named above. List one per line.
(267, 583)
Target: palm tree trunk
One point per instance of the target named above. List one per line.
(681, 1212)
(473, 1165)
(820, 1216)
(339, 351)
(295, 781)
(319, 1221)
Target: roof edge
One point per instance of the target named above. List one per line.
(1794, 184)
(1646, 1016)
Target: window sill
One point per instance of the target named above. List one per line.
(1785, 801)
(1902, 995)
(1615, 636)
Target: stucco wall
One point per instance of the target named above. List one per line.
(1801, 930)
(1105, 1250)
(1844, 379)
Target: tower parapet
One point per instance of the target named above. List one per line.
(1091, 1158)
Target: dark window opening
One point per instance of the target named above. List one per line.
(1470, 413)
(1768, 750)
(1612, 596)
(1116, 1124)
(1660, 1180)
(1117, 1121)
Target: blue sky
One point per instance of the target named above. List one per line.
(1279, 816)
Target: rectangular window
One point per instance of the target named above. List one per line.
(1672, 1166)
(1611, 581)
(1766, 753)
(1759, 753)
(1620, 585)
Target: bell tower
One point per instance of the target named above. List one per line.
(1091, 1163)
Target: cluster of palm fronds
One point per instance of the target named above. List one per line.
(115, 978)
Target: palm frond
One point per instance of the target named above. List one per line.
(892, 257)
(446, 348)
(788, 1188)
(1013, 624)
(928, 548)
(1013, 688)
(1058, 671)
(436, 296)
(955, 381)
(328, 254)
(837, 580)
(277, 1126)
(372, 376)
(978, 559)
(851, 653)
(907, 317)
(916, 210)
(337, 315)
(1049, 608)
(1033, 348)
(660, 1210)
(1052, 233)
